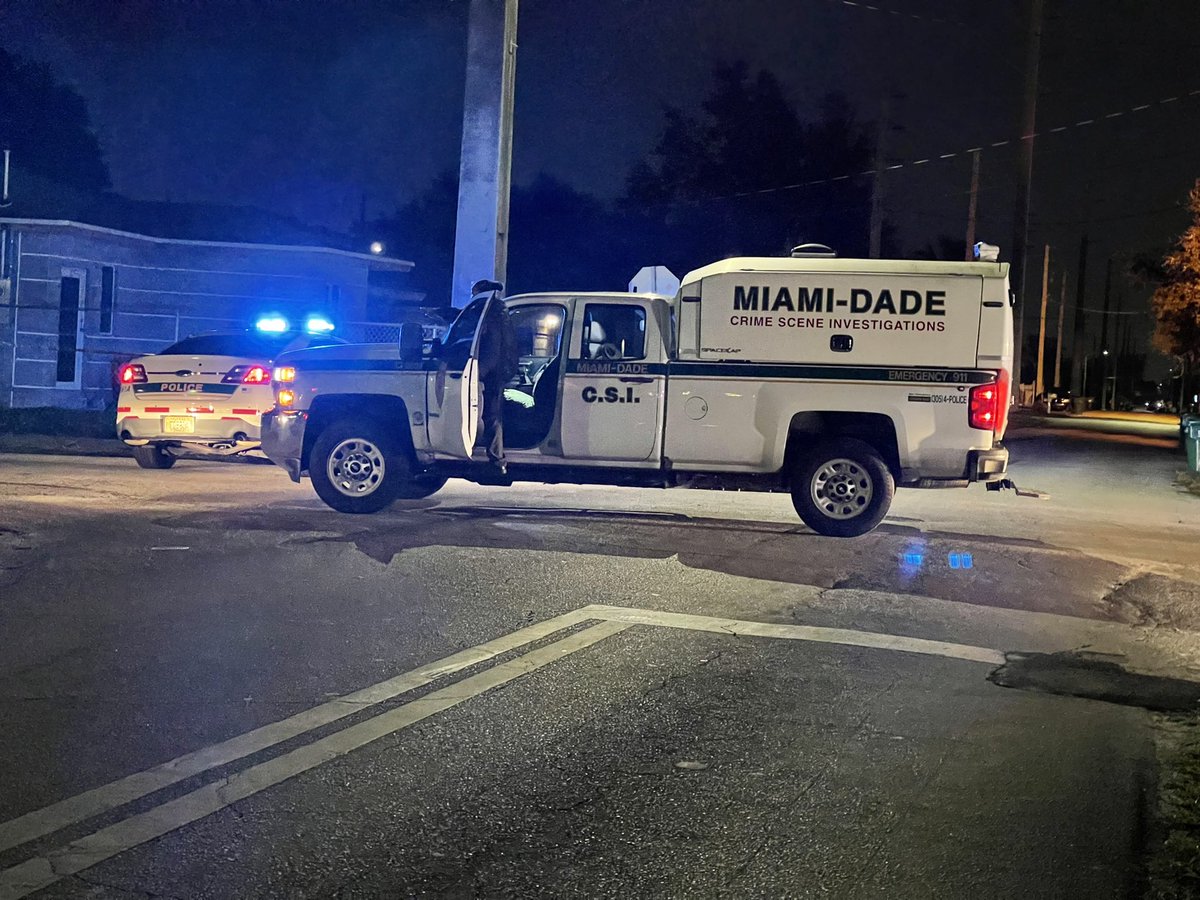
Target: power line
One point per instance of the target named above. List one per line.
(933, 158)
(871, 7)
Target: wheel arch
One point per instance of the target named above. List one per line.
(385, 409)
(812, 427)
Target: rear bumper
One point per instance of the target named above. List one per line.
(283, 439)
(208, 430)
(987, 465)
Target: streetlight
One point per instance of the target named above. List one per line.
(377, 249)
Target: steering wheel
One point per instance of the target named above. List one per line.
(610, 351)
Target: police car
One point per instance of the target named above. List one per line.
(206, 393)
(835, 380)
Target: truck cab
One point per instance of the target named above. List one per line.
(590, 384)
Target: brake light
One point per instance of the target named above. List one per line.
(984, 406)
(1004, 401)
(133, 374)
(248, 375)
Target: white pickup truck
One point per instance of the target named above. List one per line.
(833, 379)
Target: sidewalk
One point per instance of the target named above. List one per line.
(1114, 415)
(62, 445)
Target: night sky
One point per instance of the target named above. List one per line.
(304, 107)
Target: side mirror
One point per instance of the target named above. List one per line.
(412, 341)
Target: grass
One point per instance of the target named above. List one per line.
(1189, 481)
(1174, 864)
(59, 422)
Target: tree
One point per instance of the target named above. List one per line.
(717, 177)
(46, 125)
(1176, 300)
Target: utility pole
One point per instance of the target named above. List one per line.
(876, 240)
(1062, 306)
(1078, 348)
(1039, 381)
(973, 205)
(485, 169)
(1104, 335)
(1033, 50)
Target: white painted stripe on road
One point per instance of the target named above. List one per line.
(132, 787)
(42, 871)
(871, 639)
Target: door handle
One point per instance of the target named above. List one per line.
(635, 380)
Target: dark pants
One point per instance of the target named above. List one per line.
(493, 422)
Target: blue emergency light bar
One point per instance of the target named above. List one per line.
(318, 325)
(272, 324)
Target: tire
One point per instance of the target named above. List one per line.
(421, 486)
(152, 456)
(358, 466)
(842, 488)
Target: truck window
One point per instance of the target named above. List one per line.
(612, 331)
(539, 333)
(456, 344)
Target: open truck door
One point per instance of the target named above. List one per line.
(453, 392)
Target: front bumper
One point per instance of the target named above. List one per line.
(283, 439)
(987, 465)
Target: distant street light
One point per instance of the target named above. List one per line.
(377, 249)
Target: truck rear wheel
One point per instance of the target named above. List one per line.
(358, 467)
(152, 456)
(842, 488)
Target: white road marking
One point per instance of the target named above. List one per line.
(117, 793)
(41, 871)
(871, 639)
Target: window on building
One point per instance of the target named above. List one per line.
(68, 329)
(614, 332)
(108, 293)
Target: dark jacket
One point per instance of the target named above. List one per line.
(498, 356)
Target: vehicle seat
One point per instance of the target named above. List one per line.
(594, 340)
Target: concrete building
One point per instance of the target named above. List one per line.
(77, 301)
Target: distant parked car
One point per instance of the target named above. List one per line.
(203, 394)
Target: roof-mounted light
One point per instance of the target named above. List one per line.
(318, 325)
(986, 252)
(272, 324)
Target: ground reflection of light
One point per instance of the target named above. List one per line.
(961, 560)
(912, 559)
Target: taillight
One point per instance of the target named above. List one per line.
(984, 406)
(1004, 385)
(285, 397)
(248, 375)
(133, 374)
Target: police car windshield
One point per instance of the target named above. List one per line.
(246, 345)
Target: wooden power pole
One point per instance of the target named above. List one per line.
(1062, 306)
(1039, 382)
(973, 206)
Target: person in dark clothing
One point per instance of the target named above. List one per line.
(498, 363)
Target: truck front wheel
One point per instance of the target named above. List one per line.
(842, 488)
(358, 467)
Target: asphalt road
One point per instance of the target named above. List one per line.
(211, 685)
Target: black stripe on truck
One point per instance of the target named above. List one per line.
(785, 371)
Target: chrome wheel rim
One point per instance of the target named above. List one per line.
(842, 489)
(356, 467)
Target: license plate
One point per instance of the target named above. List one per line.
(179, 424)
